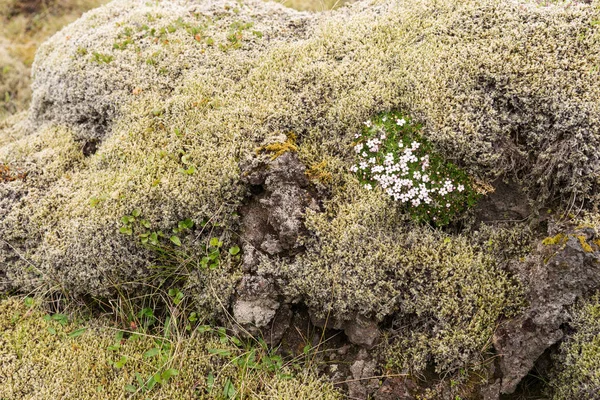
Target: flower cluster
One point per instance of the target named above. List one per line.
(393, 156)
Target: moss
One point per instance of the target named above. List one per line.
(278, 149)
(482, 77)
(558, 239)
(577, 374)
(39, 359)
(319, 173)
(584, 244)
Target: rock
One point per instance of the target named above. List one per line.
(257, 313)
(273, 218)
(396, 388)
(362, 331)
(359, 386)
(567, 267)
(255, 306)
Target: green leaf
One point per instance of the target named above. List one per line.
(126, 230)
(139, 379)
(152, 352)
(215, 242)
(121, 362)
(114, 347)
(220, 352)
(234, 250)
(210, 382)
(145, 224)
(130, 388)
(151, 382)
(169, 373)
(229, 390)
(29, 301)
(175, 240)
(306, 349)
(51, 330)
(185, 159)
(77, 332)
(136, 212)
(61, 319)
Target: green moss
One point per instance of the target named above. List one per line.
(41, 359)
(555, 240)
(280, 148)
(577, 374)
(584, 244)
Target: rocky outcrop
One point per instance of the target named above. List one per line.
(567, 269)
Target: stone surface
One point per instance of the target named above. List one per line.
(563, 272)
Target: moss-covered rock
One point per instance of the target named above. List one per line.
(149, 111)
(366, 259)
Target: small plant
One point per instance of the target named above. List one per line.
(393, 155)
(100, 58)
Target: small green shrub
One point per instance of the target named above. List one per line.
(394, 156)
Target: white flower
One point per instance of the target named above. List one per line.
(461, 188)
(368, 186)
(400, 122)
(364, 154)
(384, 118)
(354, 168)
(425, 178)
(363, 165)
(448, 205)
(372, 160)
(368, 123)
(358, 148)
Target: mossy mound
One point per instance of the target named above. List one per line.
(156, 107)
(46, 356)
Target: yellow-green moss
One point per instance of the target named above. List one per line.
(280, 148)
(319, 173)
(578, 363)
(555, 240)
(584, 244)
(39, 360)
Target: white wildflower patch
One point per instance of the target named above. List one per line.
(394, 157)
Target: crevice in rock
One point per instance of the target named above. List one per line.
(90, 147)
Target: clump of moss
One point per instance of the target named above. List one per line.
(577, 374)
(279, 148)
(558, 239)
(51, 356)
